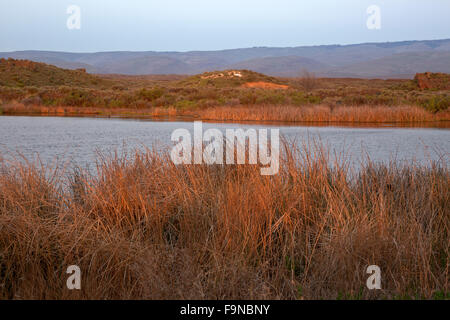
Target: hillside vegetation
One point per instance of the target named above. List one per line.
(34, 88)
(22, 73)
(227, 79)
(433, 81)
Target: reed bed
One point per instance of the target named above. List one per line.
(14, 108)
(140, 227)
(323, 113)
(282, 113)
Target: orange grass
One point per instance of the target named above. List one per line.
(323, 113)
(313, 113)
(14, 108)
(143, 228)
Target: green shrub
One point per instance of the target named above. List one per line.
(77, 97)
(436, 103)
(185, 105)
(299, 98)
(151, 94)
(271, 97)
(248, 97)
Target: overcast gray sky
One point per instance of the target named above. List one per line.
(182, 25)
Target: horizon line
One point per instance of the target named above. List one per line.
(228, 49)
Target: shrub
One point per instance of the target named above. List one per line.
(271, 97)
(308, 80)
(77, 97)
(248, 97)
(185, 105)
(436, 103)
(151, 94)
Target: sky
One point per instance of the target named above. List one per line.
(185, 25)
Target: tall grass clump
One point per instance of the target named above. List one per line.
(141, 227)
(323, 113)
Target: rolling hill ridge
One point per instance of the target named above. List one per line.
(369, 60)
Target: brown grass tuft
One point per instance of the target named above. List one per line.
(144, 228)
(323, 113)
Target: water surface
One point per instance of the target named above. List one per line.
(77, 140)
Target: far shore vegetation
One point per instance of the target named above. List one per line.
(234, 95)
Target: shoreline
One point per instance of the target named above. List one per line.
(437, 124)
(440, 120)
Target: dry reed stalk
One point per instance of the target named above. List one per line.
(144, 228)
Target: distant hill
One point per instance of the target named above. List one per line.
(19, 73)
(368, 60)
(229, 78)
(147, 65)
(400, 65)
(290, 66)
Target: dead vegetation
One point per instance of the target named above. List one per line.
(324, 113)
(143, 228)
(308, 80)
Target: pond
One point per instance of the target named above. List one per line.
(78, 140)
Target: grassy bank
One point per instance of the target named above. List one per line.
(141, 227)
(293, 114)
(34, 88)
(324, 113)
